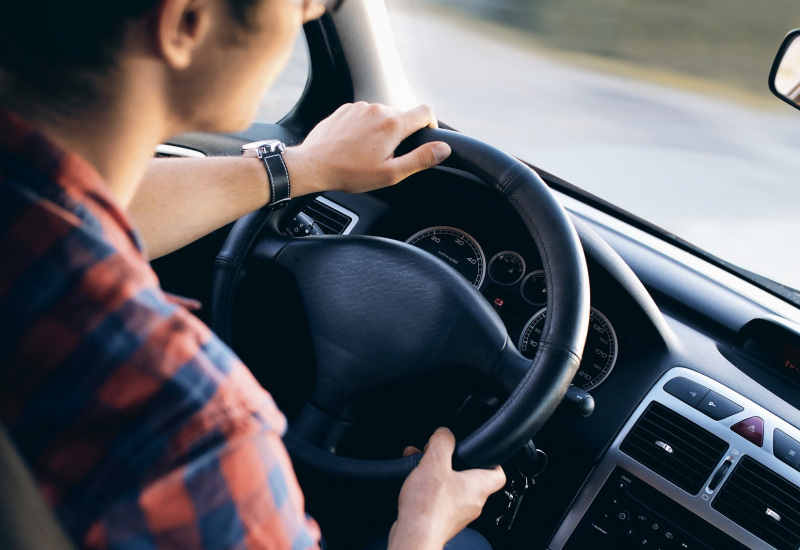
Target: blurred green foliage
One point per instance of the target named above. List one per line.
(729, 41)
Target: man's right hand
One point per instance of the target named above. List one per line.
(436, 502)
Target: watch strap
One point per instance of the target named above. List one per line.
(278, 175)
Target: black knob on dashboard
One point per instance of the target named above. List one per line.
(578, 402)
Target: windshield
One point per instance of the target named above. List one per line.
(660, 107)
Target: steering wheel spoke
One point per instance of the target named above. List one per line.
(319, 428)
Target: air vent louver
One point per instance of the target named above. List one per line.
(674, 447)
(330, 220)
(762, 502)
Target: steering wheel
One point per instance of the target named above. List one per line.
(380, 310)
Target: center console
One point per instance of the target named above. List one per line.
(698, 467)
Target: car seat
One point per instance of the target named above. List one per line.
(26, 522)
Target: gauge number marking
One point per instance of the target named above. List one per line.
(455, 248)
(599, 354)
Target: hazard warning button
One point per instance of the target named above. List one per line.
(752, 429)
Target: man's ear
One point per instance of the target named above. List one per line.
(181, 28)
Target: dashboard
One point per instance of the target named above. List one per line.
(479, 236)
(670, 345)
(723, 462)
(640, 494)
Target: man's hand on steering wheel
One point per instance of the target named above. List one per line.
(436, 502)
(353, 150)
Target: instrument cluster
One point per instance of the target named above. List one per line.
(518, 291)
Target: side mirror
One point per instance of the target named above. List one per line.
(784, 79)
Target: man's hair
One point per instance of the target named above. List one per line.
(53, 51)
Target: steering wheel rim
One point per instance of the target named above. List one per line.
(535, 386)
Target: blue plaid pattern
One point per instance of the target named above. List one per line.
(142, 428)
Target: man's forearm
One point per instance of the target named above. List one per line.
(180, 200)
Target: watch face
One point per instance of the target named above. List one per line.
(269, 145)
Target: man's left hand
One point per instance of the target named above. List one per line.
(353, 149)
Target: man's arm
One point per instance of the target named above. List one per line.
(180, 200)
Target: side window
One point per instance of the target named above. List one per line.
(288, 88)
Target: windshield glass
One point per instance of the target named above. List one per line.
(658, 106)
(287, 90)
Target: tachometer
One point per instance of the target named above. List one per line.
(599, 354)
(455, 248)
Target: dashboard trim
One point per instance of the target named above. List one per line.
(701, 503)
(608, 226)
(177, 151)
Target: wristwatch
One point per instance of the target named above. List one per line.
(270, 152)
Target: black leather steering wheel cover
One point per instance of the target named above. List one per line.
(564, 333)
(228, 268)
(568, 302)
(349, 468)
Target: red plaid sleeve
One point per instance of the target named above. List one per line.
(228, 484)
(142, 428)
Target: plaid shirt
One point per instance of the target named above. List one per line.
(143, 430)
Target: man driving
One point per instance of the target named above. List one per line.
(142, 429)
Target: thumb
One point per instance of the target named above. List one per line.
(423, 157)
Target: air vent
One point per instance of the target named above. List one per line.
(762, 502)
(674, 447)
(332, 218)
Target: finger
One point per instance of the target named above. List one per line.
(416, 118)
(411, 451)
(487, 481)
(423, 157)
(496, 479)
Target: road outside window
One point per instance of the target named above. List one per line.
(661, 107)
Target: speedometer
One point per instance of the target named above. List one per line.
(599, 353)
(455, 248)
